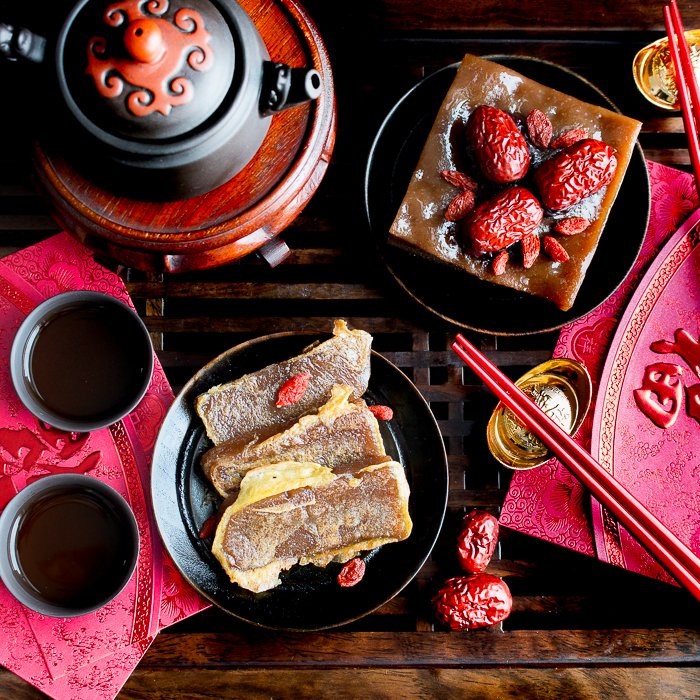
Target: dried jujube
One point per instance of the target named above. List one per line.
(470, 602)
(576, 172)
(501, 220)
(498, 146)
(477, 541)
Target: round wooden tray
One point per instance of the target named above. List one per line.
(240, 216)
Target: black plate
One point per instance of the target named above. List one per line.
(451, 293)
(309, 597)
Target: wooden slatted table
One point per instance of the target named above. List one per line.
(579, 628)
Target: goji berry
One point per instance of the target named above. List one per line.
(555, 250)
(574, 225)
(540, 128)
(381, 412)
(351, 573)
(460, 206)
(293, 389)
(570, 137)
(458, 179)
(531, 249)
(500, 263)
(209, 526)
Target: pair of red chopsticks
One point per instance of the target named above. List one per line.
(659, 541)
(686, 84)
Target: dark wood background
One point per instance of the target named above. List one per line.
(579, 628)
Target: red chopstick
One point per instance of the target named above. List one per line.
(659, 541)
(686, 83)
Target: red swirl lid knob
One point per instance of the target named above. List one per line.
(143, 40)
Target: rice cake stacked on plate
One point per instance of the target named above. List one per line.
(306, 482)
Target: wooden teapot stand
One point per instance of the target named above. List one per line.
(244, 214)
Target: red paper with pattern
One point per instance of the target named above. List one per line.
(90, 656)
(548, 502)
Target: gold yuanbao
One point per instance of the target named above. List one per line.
(655, 75)
(562, 389)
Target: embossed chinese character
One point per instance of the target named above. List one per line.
(693, 401)
(684, 345)
(661, 395)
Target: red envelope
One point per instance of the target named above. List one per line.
(91, 655)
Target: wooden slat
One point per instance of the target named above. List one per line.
(634, 684)
(251, 684)
(309, 324)
(256, 290)
(416, 649)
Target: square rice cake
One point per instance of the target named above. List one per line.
(420, 224)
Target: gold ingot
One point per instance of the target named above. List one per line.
(562, 388)
(654, 73)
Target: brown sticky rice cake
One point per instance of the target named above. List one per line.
(343, 436)
(302, 513)
(420, 225)
(245, 410)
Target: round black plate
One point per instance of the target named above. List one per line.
(454, 295)
(309, 597)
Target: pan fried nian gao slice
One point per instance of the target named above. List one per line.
(420, 224)
(302, 513)
(342, 436)
(245, 410)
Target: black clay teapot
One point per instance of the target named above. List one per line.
(166, 99)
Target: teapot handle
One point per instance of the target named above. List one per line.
(18, 43)
(283, 86)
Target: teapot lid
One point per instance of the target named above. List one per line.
(148, 70)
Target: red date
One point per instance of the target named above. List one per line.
(477, 541)
(470, 602)
(575, 173)
(499, 148)
(502, 220)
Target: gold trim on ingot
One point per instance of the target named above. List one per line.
(562, 389)
(654, 74)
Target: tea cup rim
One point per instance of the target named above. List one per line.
(21, 345)
(9, 525)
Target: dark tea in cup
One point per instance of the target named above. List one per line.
(71, 544)
(81, 361)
